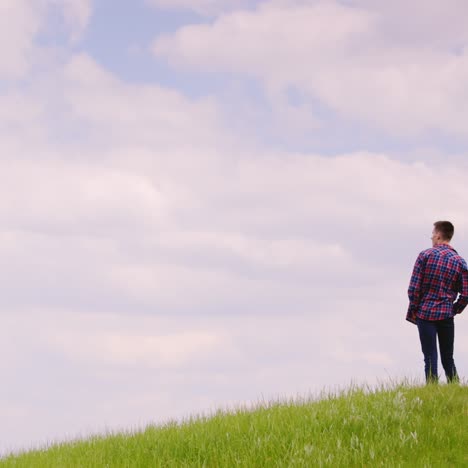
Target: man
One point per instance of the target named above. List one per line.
(439, 275)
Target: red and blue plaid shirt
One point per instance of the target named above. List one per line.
(439, 275)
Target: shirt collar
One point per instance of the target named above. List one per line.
(445, 246)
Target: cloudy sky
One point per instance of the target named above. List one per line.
(208, 203)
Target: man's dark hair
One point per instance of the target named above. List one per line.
(445, 228)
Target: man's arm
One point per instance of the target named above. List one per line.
(414, 289)
(462, 300)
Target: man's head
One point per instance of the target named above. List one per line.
(442, 233)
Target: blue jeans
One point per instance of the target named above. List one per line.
(444, 330)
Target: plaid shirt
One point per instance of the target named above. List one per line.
(439, 274)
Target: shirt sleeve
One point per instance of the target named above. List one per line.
(462, 300)
(414, 289)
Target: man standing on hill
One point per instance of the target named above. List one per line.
(439, 275)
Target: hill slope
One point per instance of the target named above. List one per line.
(402, 426)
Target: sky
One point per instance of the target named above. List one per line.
(212, 203)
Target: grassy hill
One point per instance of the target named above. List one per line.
(399, 426)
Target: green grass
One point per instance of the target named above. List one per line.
(401, 425)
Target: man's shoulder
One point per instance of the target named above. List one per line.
(427, 252)
(462, 262)
(445, 252)
(455, 256)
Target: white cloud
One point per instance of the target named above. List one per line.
(345, 57)
(435, 23)
(150, 350)
(65, 196)
(20, 113)
(202, 7)
(20, 23)
(149, 114)
(252, 239)
(77, 14)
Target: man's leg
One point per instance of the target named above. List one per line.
(446, 334)
(427, 335)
